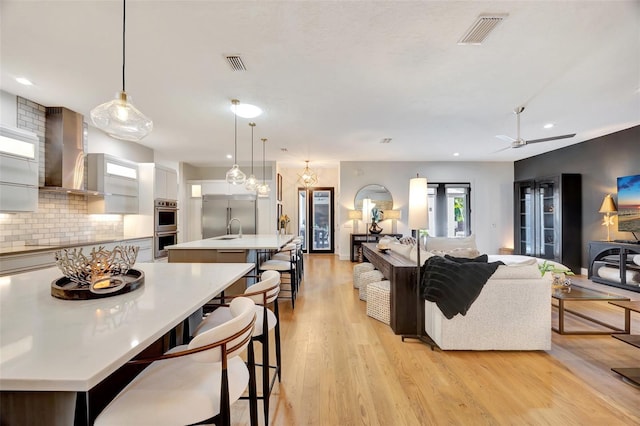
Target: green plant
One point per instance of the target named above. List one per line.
(553, 268)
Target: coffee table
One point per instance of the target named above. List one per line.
(581, 294)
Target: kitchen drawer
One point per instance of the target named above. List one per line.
(26, 262)
(18, 198)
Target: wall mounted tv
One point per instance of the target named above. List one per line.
(629, 203)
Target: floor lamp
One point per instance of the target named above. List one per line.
(418, 219)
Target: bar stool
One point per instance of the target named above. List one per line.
(287, 268)
(265, 294)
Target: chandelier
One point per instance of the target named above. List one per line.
(119, 118)
(263, 189)
(252, 183)
(308, 177)
(235, 176)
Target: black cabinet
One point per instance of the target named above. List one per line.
(611, 263)
(358, 239)
(548, 219)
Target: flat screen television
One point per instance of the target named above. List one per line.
(629, 203)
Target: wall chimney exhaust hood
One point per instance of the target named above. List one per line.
(64, 152)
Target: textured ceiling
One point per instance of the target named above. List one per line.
(335, 78)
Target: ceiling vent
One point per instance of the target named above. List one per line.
(481, 28)
(385, 140)
(235, 62)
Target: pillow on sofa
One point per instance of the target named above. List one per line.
(482, 258)
(524, 270)
(401, 249)
(469, 253)
(424, 255)
(447, 244)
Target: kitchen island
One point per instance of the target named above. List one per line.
(227, 249)
(52, 350)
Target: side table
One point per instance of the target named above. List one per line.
(631, 375)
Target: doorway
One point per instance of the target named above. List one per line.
(315, 208)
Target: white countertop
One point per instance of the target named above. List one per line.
(49, 344)
(247, 242)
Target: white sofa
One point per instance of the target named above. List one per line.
(512, 312)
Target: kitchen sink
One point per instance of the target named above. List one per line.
(225, 237)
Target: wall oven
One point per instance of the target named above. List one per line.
(165, 227)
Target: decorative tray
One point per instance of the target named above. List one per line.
(64, 288)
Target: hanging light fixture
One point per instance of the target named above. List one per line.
(263, 189)
(235, 176)
(119, 118)
(252, 183)
(308, 177)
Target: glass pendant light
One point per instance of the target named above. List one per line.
(263, 189)
(251, 183)
(235, 176)
(308, 177)
(119, 118)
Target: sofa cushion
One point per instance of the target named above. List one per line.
(424, 255)
(447, 244)
(401, 249)
(517, 271)
(469, 253)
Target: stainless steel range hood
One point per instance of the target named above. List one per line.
(64, 152)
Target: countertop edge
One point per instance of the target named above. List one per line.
(10, 251)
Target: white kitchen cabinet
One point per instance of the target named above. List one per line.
(117, 182)
(18, 170)
(165, 183)
(32, 260)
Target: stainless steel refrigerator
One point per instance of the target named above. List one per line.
(218, 210)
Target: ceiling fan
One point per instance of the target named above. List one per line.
(519, 142)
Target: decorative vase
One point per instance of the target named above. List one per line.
(374, 228)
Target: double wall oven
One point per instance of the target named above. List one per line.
(165, 226)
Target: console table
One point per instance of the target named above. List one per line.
(358, 239)
(401, 272)
(613, 254)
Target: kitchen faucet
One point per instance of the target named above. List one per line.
(239, 224)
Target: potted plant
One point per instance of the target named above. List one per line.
(558, 275)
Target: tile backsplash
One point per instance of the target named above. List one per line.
(60, 219)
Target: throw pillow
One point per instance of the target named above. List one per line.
(446, 244)
(458, 252)
(482, 258)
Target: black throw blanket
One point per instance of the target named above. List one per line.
(455, 283)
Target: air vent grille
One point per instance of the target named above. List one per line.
(481, 29)
(235, 62)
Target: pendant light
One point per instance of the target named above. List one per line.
(263, 189)
(252, 182)
(119, 118)
(235, 176)
(308, 177)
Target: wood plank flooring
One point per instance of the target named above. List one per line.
(341, 367)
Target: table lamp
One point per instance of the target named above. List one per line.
(394, 215)
(418, 219)
(355, 215)
(608, 206)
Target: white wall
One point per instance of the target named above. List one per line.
(491, 196)
(8, 109)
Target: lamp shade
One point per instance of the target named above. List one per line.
(367, 205)
(608, 205)
(418, 211)
(392, 214)
(355, 215)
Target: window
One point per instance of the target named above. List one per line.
(449, 209)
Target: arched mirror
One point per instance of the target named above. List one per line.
(378, 195)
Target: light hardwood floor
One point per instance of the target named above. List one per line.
(341, 367)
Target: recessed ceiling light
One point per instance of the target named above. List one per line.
(25, 81)
(246, 110)
(456, 154)
(548, 125)
(229, 156)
